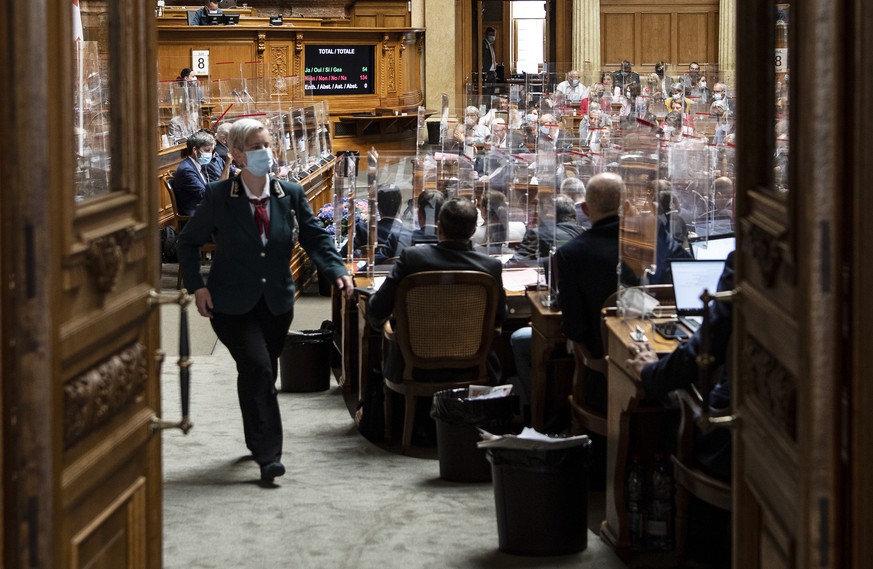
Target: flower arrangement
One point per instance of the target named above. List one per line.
(327, 215)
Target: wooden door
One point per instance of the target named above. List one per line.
(798, 270)
(81, 463)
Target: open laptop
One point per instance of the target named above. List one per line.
(717, 247)
(690, 278)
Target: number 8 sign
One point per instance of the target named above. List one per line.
(200, 61)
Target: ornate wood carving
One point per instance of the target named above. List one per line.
(97, 395)
(279, 61)
(105, 258)
(764, 248)
(392, 72)
(769, 383)
(262, 43)
(385, 44)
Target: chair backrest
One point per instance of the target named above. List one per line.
(178, 219)
(190, 14)
(687, 473)
(445, 320)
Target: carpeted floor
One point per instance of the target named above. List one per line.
(344, 502)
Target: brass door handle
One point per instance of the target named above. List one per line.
(183, 299)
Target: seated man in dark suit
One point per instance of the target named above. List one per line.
(388, 202)
(429, 204)
(201, 16)
(708, 533)
(626, 80)
(457, 222)
(199, 168)
(586, 277)
(561, 228)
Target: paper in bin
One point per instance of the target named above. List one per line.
(529, 439)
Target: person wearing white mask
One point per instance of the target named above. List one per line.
(255, 221)
(200, 167)
(574, 91)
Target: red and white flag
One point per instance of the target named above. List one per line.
(78, 35)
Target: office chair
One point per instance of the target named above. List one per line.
(443, 321)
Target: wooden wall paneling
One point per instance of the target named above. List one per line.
(691, 32)
(618, 38)
(381, 14)
(655, 35)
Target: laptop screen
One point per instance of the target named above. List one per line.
(690, 277)
(714, 248)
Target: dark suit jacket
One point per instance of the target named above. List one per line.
(632, 80)
(678, 370)
(189, 186)
(244, 269)
(445, 256)
(586, 277)
(384, 229)
(532, 246)
(200, 16)
(400, 240)
(487, 60)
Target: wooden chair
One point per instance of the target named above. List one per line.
(690, 478)
(179, 220)
(584, 417)
(442, 321)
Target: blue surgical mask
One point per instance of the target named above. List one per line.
(574, 82)
(259, 162)
(544, 130)
(205, 158)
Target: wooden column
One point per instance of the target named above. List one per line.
(586, 39)
(727, 42)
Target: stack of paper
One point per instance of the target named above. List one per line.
(529, 439)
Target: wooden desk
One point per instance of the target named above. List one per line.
(625, 396)
(548, 354)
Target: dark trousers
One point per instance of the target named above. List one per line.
(255, 340)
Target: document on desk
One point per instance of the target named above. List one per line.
(529, 439)
(517, 280)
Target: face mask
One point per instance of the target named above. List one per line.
(623, 73)
(718, 96)
(205, 158)
(574, 82)
(259, 162)
(659, 72)
(530, 118)
(544, 130)
(490, 38)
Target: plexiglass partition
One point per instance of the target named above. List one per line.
(92, 125)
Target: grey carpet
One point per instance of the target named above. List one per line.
(344, 502)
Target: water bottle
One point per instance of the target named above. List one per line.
(636, 490)
(659, 525)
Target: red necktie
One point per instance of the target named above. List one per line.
(261, 218)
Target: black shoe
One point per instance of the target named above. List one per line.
(272, 470)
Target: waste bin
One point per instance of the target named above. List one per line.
(541, 499)
(457, 420)
(304, 365)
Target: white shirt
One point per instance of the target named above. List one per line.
(573, 94)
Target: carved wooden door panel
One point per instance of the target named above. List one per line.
(82, 466)
(790, 359)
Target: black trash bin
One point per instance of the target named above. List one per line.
(457, 421)
(304, 365)
(541, 499)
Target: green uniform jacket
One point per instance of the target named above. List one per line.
(244, 268)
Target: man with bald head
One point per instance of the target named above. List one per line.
(571, 88)
(587, 263)
(586, 277)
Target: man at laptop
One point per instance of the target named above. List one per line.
(201, 16)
